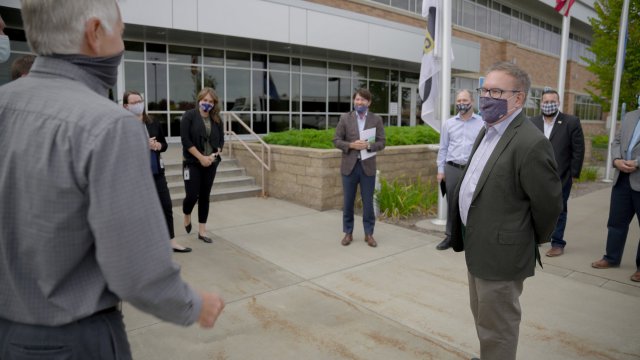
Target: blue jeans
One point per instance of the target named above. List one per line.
(350, 186)
(557, 238)
(625, 203)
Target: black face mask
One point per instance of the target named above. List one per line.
(104, 68)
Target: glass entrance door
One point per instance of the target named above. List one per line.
(409, 105)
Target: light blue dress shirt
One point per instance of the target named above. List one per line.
(456, 140)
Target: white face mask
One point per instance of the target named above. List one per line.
(5, 48)
(136, 109)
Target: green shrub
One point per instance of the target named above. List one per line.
(323, 139)
(600, 141)
(588, 173)
(399, 199)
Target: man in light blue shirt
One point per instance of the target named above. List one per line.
(456, 140)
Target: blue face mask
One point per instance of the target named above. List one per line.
(361, 109)
(493, 109)
(206, 107)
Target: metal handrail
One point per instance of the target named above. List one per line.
(229, 118)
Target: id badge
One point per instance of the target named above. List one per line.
(161, 163)
(186, 173)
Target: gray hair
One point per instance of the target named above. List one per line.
(523, 82)
(58, 26)
(463, 91)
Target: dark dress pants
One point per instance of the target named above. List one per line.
(165, 201)
(98, 337)
(557, 238)
(198, 189)
(452, 176)
(625, 203)
(350, 186)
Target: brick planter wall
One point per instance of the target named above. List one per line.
(311, 177)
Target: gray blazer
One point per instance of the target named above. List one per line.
(515, 206)
(620, 146)
(347, 132)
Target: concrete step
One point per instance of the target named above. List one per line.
(175, 175)
(218, 194)
(219, 182)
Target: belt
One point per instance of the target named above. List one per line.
(459, 166)
(105, 311)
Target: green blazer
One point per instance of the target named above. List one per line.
(514, 208)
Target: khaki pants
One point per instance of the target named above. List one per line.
(496, 311)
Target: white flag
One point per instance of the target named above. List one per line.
(428, 85)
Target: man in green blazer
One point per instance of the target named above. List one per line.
(508, 201)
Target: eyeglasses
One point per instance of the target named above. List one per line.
(494, 93)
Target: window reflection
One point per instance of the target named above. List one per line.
(157, 86)
(238, 90)
(134, 76)
(184, 54)
(318, 122)
(314, 90)
(185, 83)
(278, 122)
(339, 94)
(214, 78)
(278, 91)
(379, 97)
(259, 97)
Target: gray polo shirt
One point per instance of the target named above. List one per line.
(80, 221)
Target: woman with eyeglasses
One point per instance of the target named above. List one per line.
(132, 101)
(202, 141)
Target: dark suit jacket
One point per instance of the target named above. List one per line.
(193, 133)
(515, 205)
(567, 140)
(620, 147)
(347, 132)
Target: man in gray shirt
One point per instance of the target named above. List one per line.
(80, 223)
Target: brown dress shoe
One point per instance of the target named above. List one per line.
(347, 239)
(555, 251)
(370, 241)
(601, 264)
(636, 276)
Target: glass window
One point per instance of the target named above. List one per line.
(133, 50)
(238, 59)
(295, 65)
(213, 57)
(259, 123)
(184, 54)
(378, 74)
(156, 52)
(314, 66)
(259, 96)
(184, 85)
(278, 63)
(314, 93)
(238, 90)
(393, 75)
(333, 121)
(295, 122)
(468, 15)
(379, 97)
(359, 72)
(339, 94)
(259, 61)
(481, 19)
(156, 86)
(214, 78)
(295, 93)
(278, 122)
(401, 4)
(409, 77)
(505, 26)
(278, 91)
(318, 122)
(134, 77)
(337, 69)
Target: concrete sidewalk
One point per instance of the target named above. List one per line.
(292, 292)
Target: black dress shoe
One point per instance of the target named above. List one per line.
(188, 228)
(184, 250)
(444, 244)
(205, 239)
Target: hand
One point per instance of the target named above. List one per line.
(440, 177)
(212, 306)
(205, 161)
(626, 166)
(359, 144)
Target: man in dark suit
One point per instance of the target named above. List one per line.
(508, 201)
(565, 133)
(625, 195)
(356, 167)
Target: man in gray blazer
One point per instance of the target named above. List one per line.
(565, 133)
(508, 202)
(625, 195)
(356, 168)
